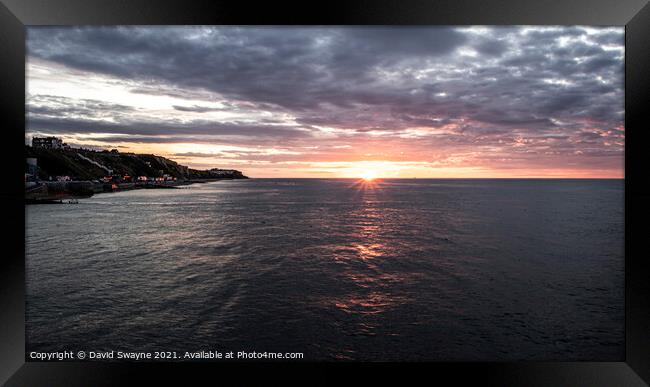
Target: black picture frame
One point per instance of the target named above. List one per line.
(633, 14)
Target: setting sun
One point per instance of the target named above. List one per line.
(368, 175)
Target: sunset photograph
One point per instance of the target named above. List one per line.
(330, 193)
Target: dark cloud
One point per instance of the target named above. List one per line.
(293, 68)
(196, 109)
(198, 154)
(492, 47)
(50, 105)
(189, 139)
(493, 86)
(81, 126)
(589, 135)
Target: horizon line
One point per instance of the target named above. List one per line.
(444, 178)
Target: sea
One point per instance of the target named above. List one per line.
(335, 269)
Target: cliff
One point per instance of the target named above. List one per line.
(85, 164)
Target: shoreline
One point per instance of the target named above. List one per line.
(51, 192)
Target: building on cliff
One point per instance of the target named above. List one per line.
(47, 142)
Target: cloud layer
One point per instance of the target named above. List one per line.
(489, 100)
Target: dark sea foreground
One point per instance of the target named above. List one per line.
(393, 270)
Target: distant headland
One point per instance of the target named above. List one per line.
(55, 171)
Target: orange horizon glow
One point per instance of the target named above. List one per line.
(351, 164)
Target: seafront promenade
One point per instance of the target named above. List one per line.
(42, 192)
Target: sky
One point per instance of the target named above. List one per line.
(394, 102)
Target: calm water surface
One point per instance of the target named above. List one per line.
(336, 269)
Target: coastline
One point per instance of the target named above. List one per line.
(50, 192)
(55, 172)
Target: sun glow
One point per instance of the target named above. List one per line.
(365, 170)
(368, 175)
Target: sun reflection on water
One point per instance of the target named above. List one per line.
(369, 252)
(373, 303)
(374, 291)
(367, 184)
